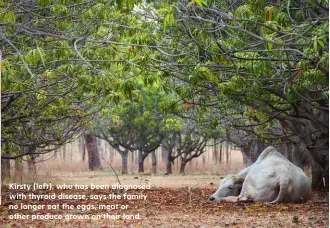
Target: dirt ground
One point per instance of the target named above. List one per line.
(172, 201)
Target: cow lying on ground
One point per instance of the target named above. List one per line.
(272, 178)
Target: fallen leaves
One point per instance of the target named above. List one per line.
(179, 208)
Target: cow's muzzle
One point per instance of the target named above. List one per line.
(211, 198)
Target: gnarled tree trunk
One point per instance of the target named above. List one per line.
(168, 160)
(124, 161)
(182, 167)
(141, 157)
(94, 162)
(313, 134)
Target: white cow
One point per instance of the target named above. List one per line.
(272, 178)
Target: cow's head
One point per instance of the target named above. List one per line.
(231, 185)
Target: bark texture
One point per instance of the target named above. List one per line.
(94, 162)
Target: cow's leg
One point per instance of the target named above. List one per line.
(244, 199)
(230, 199)
(284, 184)
(236, 199)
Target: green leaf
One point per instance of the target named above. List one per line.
(200, 2)
(168, 20)
(60, 10)
(8, 17)
(44, 3)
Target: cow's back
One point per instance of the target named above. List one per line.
(269, 168)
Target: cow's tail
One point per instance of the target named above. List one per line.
(284, 184)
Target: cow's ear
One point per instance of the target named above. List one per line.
(239, 180)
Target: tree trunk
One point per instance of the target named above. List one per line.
(18, 170)
(168, 160)
(169, 168)
(220, 157)
(297, 156)
(82, 147)
(254, 149)
(132, 157)
(163, 153)
(101, 147)
(320, 171)
(124, 161)
(141, 161)
(326, 171)
(111, 153)
(246, 158)
(227, 152)
(290, 152)
(314, 135)
(215, 152)
(71, 152)
(94, 162)
(32, 165)
(5, 169)
(136, 156)
(182, 167)
(64, 152)
(154, 162)
(55, 153)
(317, 177)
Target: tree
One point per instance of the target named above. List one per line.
(190, 148)
(120, 140)
(258, 60)
(168, 144)
(42, 106)
(136, 122)
(257, 67)
(56, 69)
